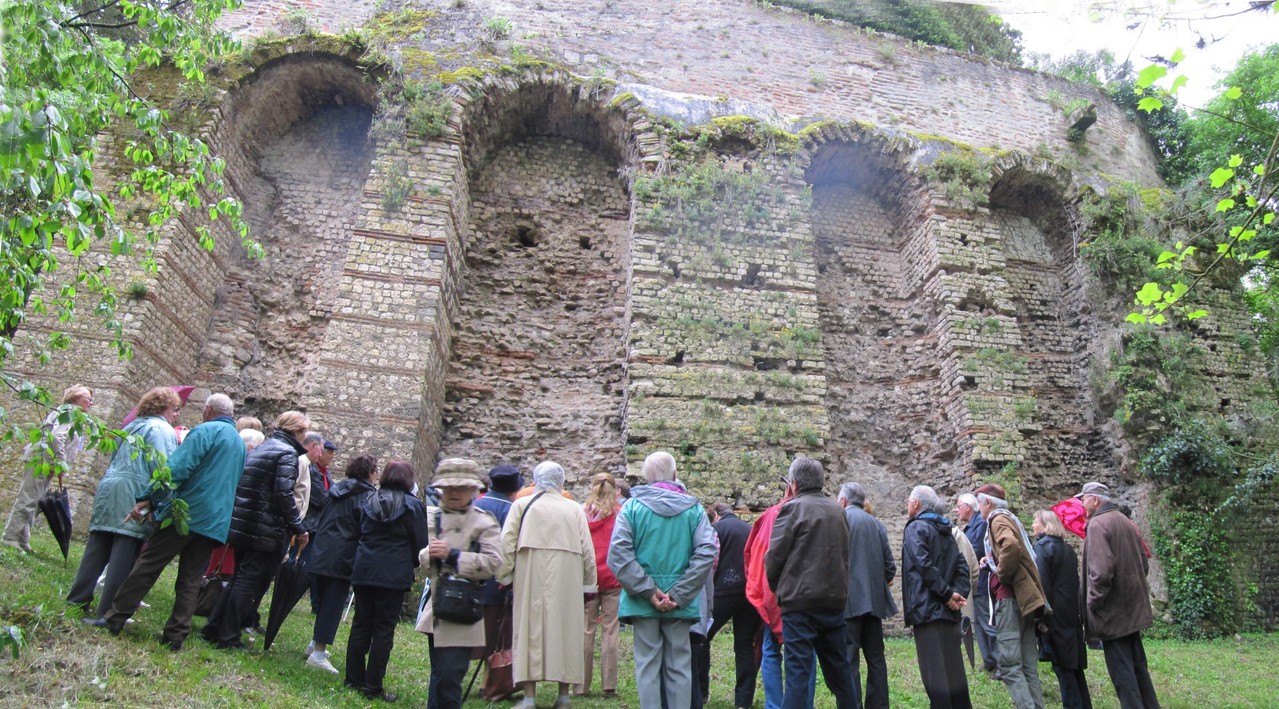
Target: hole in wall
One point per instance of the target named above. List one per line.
(525, 235)
(766, 364)
(677, 359)
(584, 243)
(751, 279)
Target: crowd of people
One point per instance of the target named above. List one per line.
(526, 569)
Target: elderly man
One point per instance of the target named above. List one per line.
(1018, 594)
(504, 481)
(205, 470)
(870, 572)
(807, 567)
(934, 584)
(662, 551)
(974, 528)
(1117, 596)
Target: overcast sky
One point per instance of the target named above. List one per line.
(1134, 28)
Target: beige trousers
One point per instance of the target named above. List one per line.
(602, 608)
(18, 529)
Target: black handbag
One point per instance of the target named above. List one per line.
(211, 588)
(453, 598)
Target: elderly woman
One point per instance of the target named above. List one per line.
(63, 443)
(465, 541)
(333, 555)
(547, 553)
(392, 532)
(114, 541)
(1064, 643)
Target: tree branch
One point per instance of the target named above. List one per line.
(86, 13)
(118, 25)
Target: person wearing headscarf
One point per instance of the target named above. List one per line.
(465, 542)
(65, 445)
(114, 541)
(548, 556)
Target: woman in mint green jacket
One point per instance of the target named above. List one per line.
(115, 542)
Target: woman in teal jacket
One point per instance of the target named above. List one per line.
(115, 542)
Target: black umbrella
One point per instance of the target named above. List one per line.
(966, 632)
(57, 510)
(291, 583)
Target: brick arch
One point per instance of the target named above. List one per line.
(549, 103)
(295, 134)
(536, 357)
(873, 250)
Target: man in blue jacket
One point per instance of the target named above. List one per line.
(205, 469)
(934, 585)
(974, 526)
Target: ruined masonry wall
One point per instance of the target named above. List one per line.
(537, 367)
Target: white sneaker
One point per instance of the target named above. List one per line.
(321, 660)
(310, 648)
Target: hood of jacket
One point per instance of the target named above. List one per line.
(349, 486)
(665, 503)
(941, 523)
(384, 505)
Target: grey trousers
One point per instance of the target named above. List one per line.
(1018, 655)
(984, 631)
(17, 531)
(663, 652)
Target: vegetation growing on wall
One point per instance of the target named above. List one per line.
(960, 26)
(963, 176)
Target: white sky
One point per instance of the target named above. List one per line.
(1059, 27)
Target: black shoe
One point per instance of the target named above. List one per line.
(380, 694)
(173, 645)
(230, 645)
(95, 622)
(352, 685)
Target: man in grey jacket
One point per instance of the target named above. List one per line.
(662, 551)
(870, 572)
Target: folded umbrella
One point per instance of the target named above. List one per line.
(57, 510)
(966, 632)
(291, 584)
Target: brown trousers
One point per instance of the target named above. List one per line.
(193, 551)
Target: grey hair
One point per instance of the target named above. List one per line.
(807, 474)
(926, 497)
(967, 499)
(659, 467)
(1103, 498)
(548, 476)
(219, 404)
(312, 437)
(991, 500)
(853, 492)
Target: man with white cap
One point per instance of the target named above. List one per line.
(1117, 596)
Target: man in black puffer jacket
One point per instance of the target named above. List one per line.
(264, 518)
(934, 585)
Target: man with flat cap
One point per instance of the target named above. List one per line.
(1117, 595)
(504, 481)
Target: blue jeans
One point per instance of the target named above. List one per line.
(821, 632)
(771, 671)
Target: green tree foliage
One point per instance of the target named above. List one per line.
(960, 26)
(1245, 125)
(73, 97)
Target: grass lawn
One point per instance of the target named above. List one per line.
(68, 664)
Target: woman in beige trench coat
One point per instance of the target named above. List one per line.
(547, 553)
(465, 540)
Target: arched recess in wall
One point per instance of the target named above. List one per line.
(871, 245)
(1032, 207)
(295, 134)
(538, 346)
